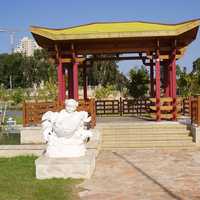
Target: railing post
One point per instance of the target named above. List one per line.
(120, 106)
(198, 110)
(24, 114)
(183, 106)
(158, 112)
(190, 102)
(191, 110)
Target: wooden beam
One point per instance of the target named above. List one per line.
(70, 60)
(115, 58)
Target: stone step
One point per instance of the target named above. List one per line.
(146, 132)
(148, 144)
(141, 125)
(111, 142)
(145, 148)
(107, 138)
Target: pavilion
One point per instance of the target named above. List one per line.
(155, 44)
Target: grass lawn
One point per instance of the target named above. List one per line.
(18, 182)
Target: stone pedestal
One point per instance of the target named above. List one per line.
(195, 133)
(81, 167)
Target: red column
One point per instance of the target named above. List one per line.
(64, 84)
(170, 79)
(167, 80)
(60, 81)
(75, 80)
(173, 64)
(151, 79)
(70, 82)
(158, 114)
(85, 82)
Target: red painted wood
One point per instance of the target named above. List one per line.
(70, 82)
(158, 116)
(60, 81)
(151, 80)
(85, 83)
(64, 85)
(167, 80)
(167, 89)
(170, 79)
(75, 80)
(173, 63)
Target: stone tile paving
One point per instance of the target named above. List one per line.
(145, 175)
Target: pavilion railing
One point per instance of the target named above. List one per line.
(143, 107)
(195, 110)
(33, 111)
(166, 108)
(186, 106)
(122, 107)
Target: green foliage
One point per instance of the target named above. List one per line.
(184, 82)
(104, 92)
(18, 182)
(189, 83)
(51, 87)
(106, 72)
(138, 83)
(47, 92)
(25, 71)
(17, 95)
(4, 96)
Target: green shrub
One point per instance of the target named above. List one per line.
(104, 92)
(17, 95)
(4, 94)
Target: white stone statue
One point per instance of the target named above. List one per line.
(65, 132)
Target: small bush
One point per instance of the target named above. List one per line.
(17, 96)
(4, 94)
(104, 92)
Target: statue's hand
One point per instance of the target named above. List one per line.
(46, 133)
(87, 119)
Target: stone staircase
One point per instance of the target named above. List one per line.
(145, 135)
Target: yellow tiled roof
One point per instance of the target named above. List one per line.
(116, 29)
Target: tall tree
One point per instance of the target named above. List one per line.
(106, 72)
(24, 71)
(184, 82)
(138, 83)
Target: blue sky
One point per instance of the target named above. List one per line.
(20, 14)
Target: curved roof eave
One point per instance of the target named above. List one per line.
(81, 32)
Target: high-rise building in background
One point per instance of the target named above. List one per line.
(26, 46)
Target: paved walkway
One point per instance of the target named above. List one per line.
(145, 175)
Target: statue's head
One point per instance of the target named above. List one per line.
(71, 105)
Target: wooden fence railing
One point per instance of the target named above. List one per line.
(135, 106)
(195, 110)
(33, 111)
(186, 106)
(107, 107)
(121, 107)
(141, 107)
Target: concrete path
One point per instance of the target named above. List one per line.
(145, 175)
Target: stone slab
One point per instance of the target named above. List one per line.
(31, 135)
(21, 150)
(81, 167)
